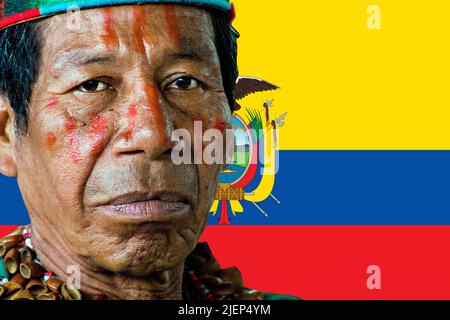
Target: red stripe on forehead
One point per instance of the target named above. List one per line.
(138, 25)
(171, 21)
(109, 38)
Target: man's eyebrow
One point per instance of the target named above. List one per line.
(82, 58)
(189, 55)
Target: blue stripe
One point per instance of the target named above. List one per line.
(333, 188)
(60, 8)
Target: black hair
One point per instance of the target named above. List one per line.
(226, 44)
(20, 53)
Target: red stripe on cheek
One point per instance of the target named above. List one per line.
(171, 21)
(110, 39)
(70, 124)
(51, 103)
(198, 118)
(97, 133)
(131, 115)
(139, 20)
(74, 142)
(156, 112)
(221, 124)
(2, 8)
(50, 139)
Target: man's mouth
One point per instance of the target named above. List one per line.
(162, 206)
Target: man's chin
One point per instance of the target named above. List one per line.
(142, 260)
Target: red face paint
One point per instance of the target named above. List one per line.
(2, 8)
(198, 118)
(50, 139)
(171, 22)
(139, 20)
(110, 39)
(97, 132)
(74, 143)
(158, 119)
(131, 116)
(51, 103)
(70, 124)
(220, 124)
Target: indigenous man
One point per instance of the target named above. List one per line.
(90, 94)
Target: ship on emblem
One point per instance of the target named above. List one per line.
(251, 175)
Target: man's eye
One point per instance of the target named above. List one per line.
(93, 86)
(185, 83)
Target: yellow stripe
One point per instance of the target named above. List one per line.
(345, 86)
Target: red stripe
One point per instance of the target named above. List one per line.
(18, 17)
(6, 229)
(2, 8)
(331, 262)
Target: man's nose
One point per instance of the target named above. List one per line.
(146, 126)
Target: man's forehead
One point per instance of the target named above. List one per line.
(124, 19)
(193, 26)
(18, 11)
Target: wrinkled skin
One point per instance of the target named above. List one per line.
(88, 143)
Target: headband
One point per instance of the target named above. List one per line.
(17, 11)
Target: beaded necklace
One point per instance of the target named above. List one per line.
(22, 276)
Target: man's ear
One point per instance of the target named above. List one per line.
(7, 159)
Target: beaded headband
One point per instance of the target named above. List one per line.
(16, 11)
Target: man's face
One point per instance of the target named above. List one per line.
(95, 168)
